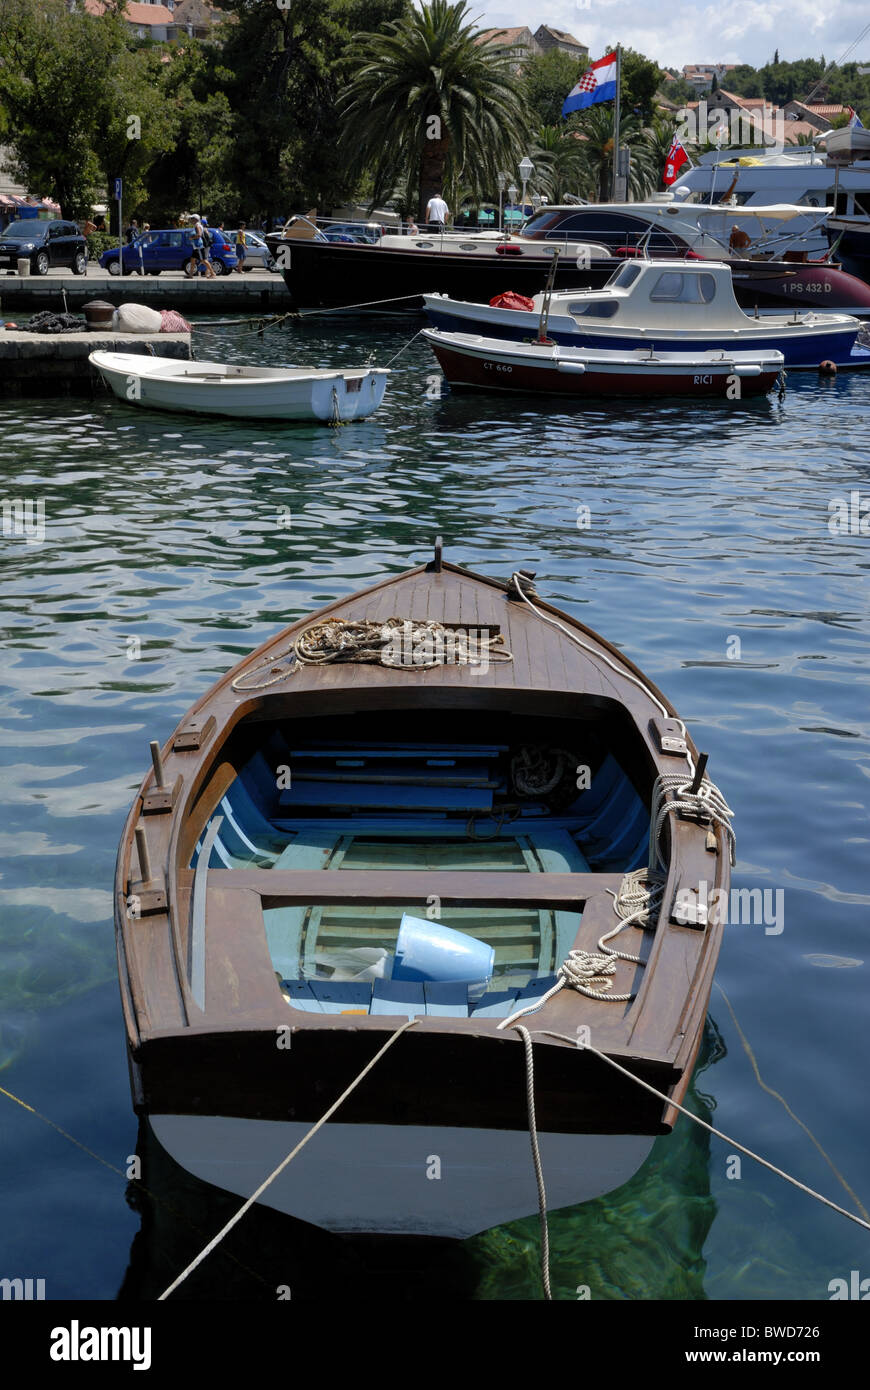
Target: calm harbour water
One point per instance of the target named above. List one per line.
(708, 558)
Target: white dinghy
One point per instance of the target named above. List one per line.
(333, 395)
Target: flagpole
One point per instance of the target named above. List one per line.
(616, 125)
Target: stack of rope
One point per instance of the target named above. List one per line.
(398, 643)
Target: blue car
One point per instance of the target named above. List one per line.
(171, 249)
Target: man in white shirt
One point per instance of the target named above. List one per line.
(437, 213)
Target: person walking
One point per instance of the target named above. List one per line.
(437, 213)
(200, 252)
(132, 231)
(241, 248)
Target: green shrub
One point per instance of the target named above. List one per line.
(98, 242)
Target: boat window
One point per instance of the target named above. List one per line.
(625, 276)
(598, 309)
(678, 287)
(423, 245)
(469, 246)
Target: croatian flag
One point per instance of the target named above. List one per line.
(675, 158)
(598, 83)
(856, 123)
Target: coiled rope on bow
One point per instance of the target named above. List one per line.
(400, 644)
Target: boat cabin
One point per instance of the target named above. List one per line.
(641, 291)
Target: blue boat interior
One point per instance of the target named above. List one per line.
(492, 793)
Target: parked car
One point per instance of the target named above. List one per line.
(47, 245)
(169, 249)
(258, 251)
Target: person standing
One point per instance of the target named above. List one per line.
(241, 248)
(200, 253)
(132, 231)
(437, 213)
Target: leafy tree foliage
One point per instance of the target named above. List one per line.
(426, 103)
(547, 79)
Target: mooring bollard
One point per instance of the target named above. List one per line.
(23, 266)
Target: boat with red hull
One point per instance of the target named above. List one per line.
(471, 362)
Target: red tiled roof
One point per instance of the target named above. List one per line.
(136, 13)
(502, 36)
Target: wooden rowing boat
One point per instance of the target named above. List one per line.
(490, 770)
(474, 363)
(333, 395)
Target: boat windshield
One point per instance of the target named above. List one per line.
(625, 276)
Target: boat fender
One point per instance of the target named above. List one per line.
(10, 325)
(828, 368)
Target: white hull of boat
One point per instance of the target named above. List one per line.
(243, 393)
(399, 1180)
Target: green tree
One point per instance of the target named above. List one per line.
(596, 126)
(547, 78)
(641, 79)
(427, 102)
(561, 163)
(56, 77)
(282, 69)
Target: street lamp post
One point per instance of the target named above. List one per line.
(527, 168)
(502, 189)
(513, 194)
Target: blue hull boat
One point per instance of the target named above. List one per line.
(666, 306)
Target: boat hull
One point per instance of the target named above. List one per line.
(485, 370)
(332, 398)
(852, 248)
(802, 346)
(378, 279)
(411, 1180)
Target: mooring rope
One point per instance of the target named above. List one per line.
(366, 304)
(536, 1160)
(636, 904)
(176, 1212)
(234, 1220)
(388, 643)
(668, 1101)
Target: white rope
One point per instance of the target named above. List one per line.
(660, 1095)
(234, 1220)
(536, 1154)
(707, 803)
(636, 904)
(536, 1159)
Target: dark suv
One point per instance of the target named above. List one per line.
(47, 245)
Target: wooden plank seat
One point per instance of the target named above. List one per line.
(374, 886)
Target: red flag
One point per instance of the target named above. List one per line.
(675, 158)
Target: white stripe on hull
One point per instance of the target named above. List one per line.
(374, 1178)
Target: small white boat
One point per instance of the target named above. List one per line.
(331, 394)
(471, 362)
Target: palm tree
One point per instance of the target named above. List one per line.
(561, 164)
(429, 104)
(596, 125)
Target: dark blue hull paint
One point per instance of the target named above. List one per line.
(806, 351)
